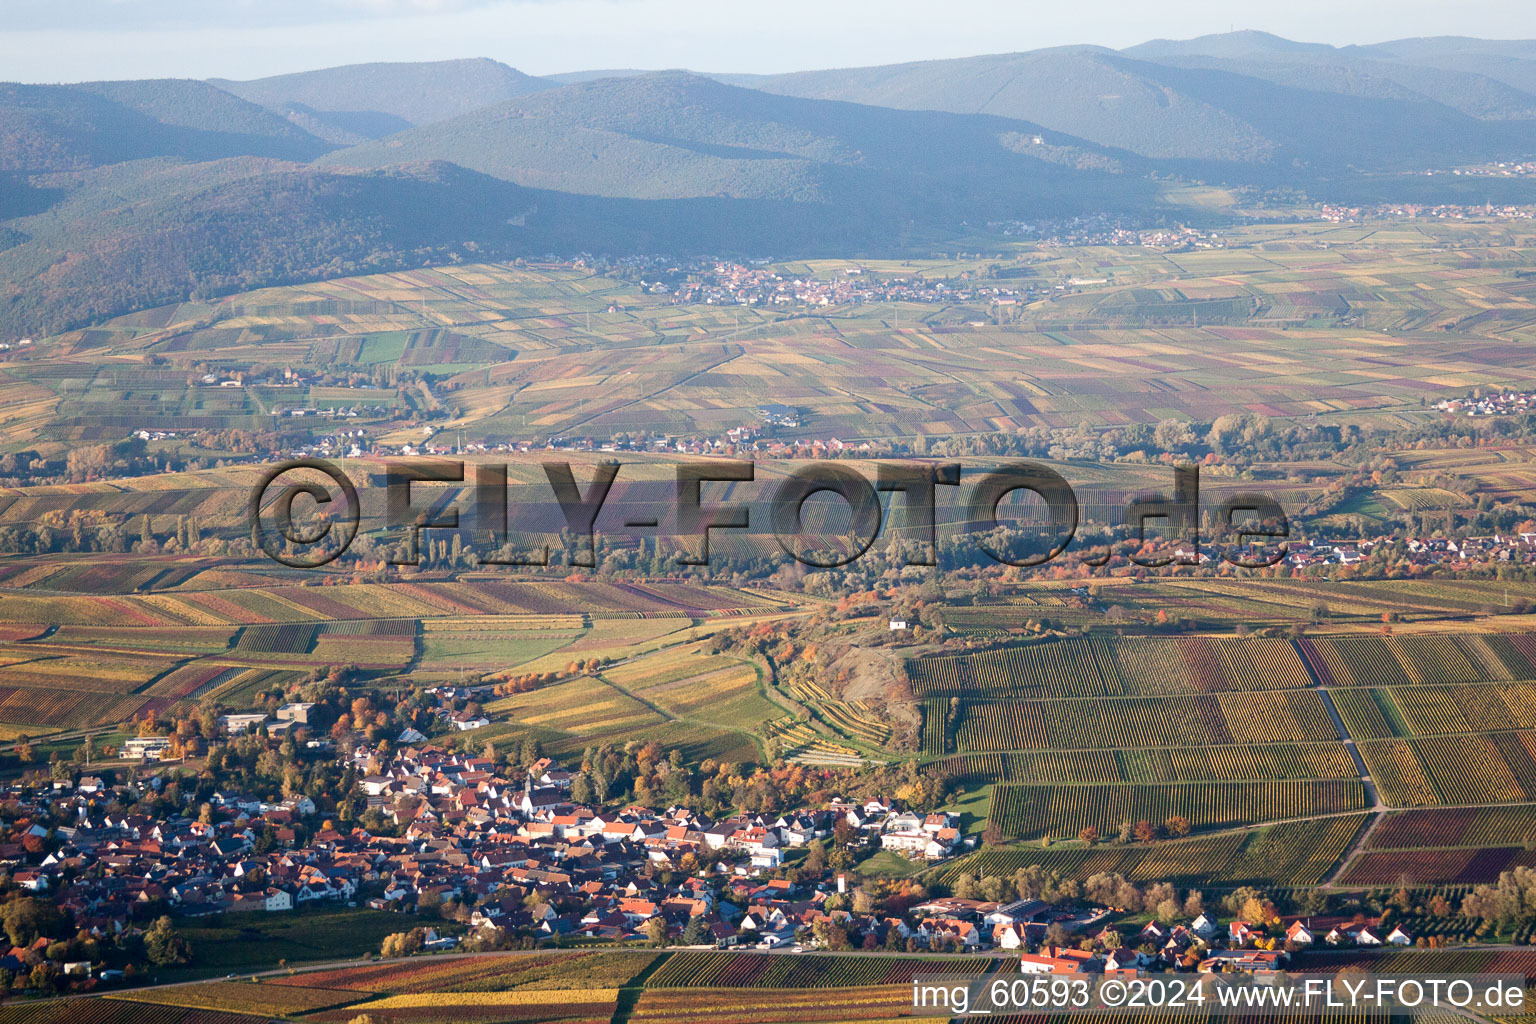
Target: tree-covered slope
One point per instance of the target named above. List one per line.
(415, 93)
(72, 127)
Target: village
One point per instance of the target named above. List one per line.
(502, 859)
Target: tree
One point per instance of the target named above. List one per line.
(815, 857)
(1089, 835)
(831, 935)
(163, 946)
(1177, 826)
(656, 932)
(1145, 831)
(696, 932)
(402, 943)
(25, 918)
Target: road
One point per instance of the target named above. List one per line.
(1373, 796)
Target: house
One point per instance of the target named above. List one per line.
(1017, 912)
(1299, 933)
(910, 844)
(1204, 926)
(146, 748)
(1358, 934)
(295, 713)
(435, 941)
(234, 725)
(1013, 936)
(1043, 963)
(1242, 961)
(1126, 958)
(963, 934)
(1399, 937)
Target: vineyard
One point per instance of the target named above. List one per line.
(1434, 961)
(1123, 666)
(1260, 763)
(243, 997)
(1293, 853)
(1484, 826)
(259, 605)
(288, 638)
(1207, 720)
(1420, 658)
(738, 970)
(1436, 867)
(872, 1005)
(114, 1011)
(1479, 769)
(1031, 812)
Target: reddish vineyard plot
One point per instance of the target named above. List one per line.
(1436, 867)
(187, 680)
(1490, 826)
(779, 1006)
(750, 970)
(1428, 962)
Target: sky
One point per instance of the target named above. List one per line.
(82, 40)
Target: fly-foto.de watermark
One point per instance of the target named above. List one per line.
(726, 495)
(1268, 992)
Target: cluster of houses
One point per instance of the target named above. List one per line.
(737, 285)
(520, 856)
(520, 853)
(1201, 945)
(1451, 552)
(1498, 403)
(1102, 229)
(1338, 214)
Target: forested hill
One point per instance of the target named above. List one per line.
(115, 195)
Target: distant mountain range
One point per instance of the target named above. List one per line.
(114, 195)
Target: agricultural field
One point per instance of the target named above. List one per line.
(1288, 854)
(872, 1005)
(1476, 827)
(1114, 667)
(1436, 867)
(1031, 812)
(1120, 722)
(1454, 770)
(1259, 762)
(115, 1011)
(738, 970)
(1049, 701)
(1188, 335)
(243, 997)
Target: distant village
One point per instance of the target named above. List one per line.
(1498, 403)
(1338, 213)
(734, 284)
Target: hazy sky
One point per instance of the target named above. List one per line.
(75, 40)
